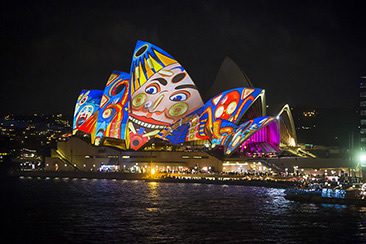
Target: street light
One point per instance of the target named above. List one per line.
(362, 158)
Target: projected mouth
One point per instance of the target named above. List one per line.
(145, 124)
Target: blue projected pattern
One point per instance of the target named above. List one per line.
(158, 99)
(86, 105)
(113, 113)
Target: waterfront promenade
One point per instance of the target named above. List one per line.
(221, 179)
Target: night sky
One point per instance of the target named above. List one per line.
(305, 53)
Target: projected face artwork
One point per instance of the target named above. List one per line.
(113, 112)
(87, 104)
(84, 114)
(166, 97)
(227, 105)
(158, 101)
(82, 110)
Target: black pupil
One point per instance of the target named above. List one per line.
(141, 51)
(117, 89)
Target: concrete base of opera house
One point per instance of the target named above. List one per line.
(80, 175)
(216, 179)
(79, 155)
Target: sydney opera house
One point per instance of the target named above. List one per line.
(154, 116)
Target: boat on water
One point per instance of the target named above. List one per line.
(352, 195)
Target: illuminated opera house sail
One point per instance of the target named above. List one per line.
(158, 102)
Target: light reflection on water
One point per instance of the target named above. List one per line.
(136, 211)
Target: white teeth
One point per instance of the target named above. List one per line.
(147, 125)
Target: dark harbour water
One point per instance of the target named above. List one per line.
(107, 211)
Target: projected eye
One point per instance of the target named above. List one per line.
(179, 97)
(117, 88)
(138, 100)
(152, 89)
(141, 51)
(231, 108)
(219, 111)
(107, 113)
(178, 109)
(83, 100)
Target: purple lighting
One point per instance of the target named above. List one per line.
(265, 140)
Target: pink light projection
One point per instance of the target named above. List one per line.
(265, 140)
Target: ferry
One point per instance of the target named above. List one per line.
(352, 195)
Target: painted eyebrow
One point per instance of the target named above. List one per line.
(178, 77)
(185, 86)
(179, 67)
(161, 81)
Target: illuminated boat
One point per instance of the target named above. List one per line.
(352, 195)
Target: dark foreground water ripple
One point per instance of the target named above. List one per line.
(85, 211)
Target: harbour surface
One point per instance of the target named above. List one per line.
(122, 211)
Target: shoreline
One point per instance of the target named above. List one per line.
(81, 174)
(258, 183)
(145, 177)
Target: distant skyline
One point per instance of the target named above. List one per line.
(309, 53)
